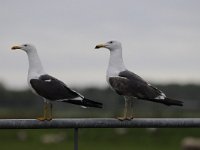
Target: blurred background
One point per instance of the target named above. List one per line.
(160, 42)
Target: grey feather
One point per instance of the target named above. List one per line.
(130, 84)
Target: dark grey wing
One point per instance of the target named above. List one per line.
(52, 88)
(130, 84)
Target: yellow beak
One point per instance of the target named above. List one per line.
(100, 46)
(16, 47)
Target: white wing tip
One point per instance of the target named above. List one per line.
(84, 107)
(162, 96)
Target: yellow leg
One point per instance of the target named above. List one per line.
(45, 109)
(131, 110)
(49, 116)
(128, 109)
(47, 112)
(125, 111)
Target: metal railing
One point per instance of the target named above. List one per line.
(99, 123)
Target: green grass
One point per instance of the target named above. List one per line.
(97, 139)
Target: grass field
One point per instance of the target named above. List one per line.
(96, 139)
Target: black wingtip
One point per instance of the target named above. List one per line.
(85, 102)
(169, 102)
(90, 103)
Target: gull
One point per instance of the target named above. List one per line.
(48, 87)
(129, 84)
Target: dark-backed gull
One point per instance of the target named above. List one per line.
(128, 84)
(48, 87)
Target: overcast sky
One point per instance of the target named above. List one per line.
(160, 39)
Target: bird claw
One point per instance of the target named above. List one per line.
(49, 119)
(125, 118)
(130, 118)
(41, 118)
(44, 119)
(122, 118)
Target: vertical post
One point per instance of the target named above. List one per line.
(75, 138)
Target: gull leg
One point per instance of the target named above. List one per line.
(45, 109)
(125, 111)
(49, 118)
(131, 110)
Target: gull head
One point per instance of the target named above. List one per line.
(111, 45)
(25, 47)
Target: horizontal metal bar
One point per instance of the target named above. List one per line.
(99, 123)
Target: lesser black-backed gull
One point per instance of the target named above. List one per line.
(48, 87)
(128, 84)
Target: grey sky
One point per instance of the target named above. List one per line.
(160, 38)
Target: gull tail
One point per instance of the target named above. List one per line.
(167, 101)
(86, 103)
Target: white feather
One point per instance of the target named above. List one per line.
(49, 80)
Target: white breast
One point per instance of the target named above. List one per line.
(111, 72)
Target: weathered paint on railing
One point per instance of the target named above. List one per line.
(100, 123)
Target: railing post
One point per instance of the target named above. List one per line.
(75, 138)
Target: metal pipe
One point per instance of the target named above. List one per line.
(100, 123)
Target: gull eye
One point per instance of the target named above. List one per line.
(111, 42)
(25, 45)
